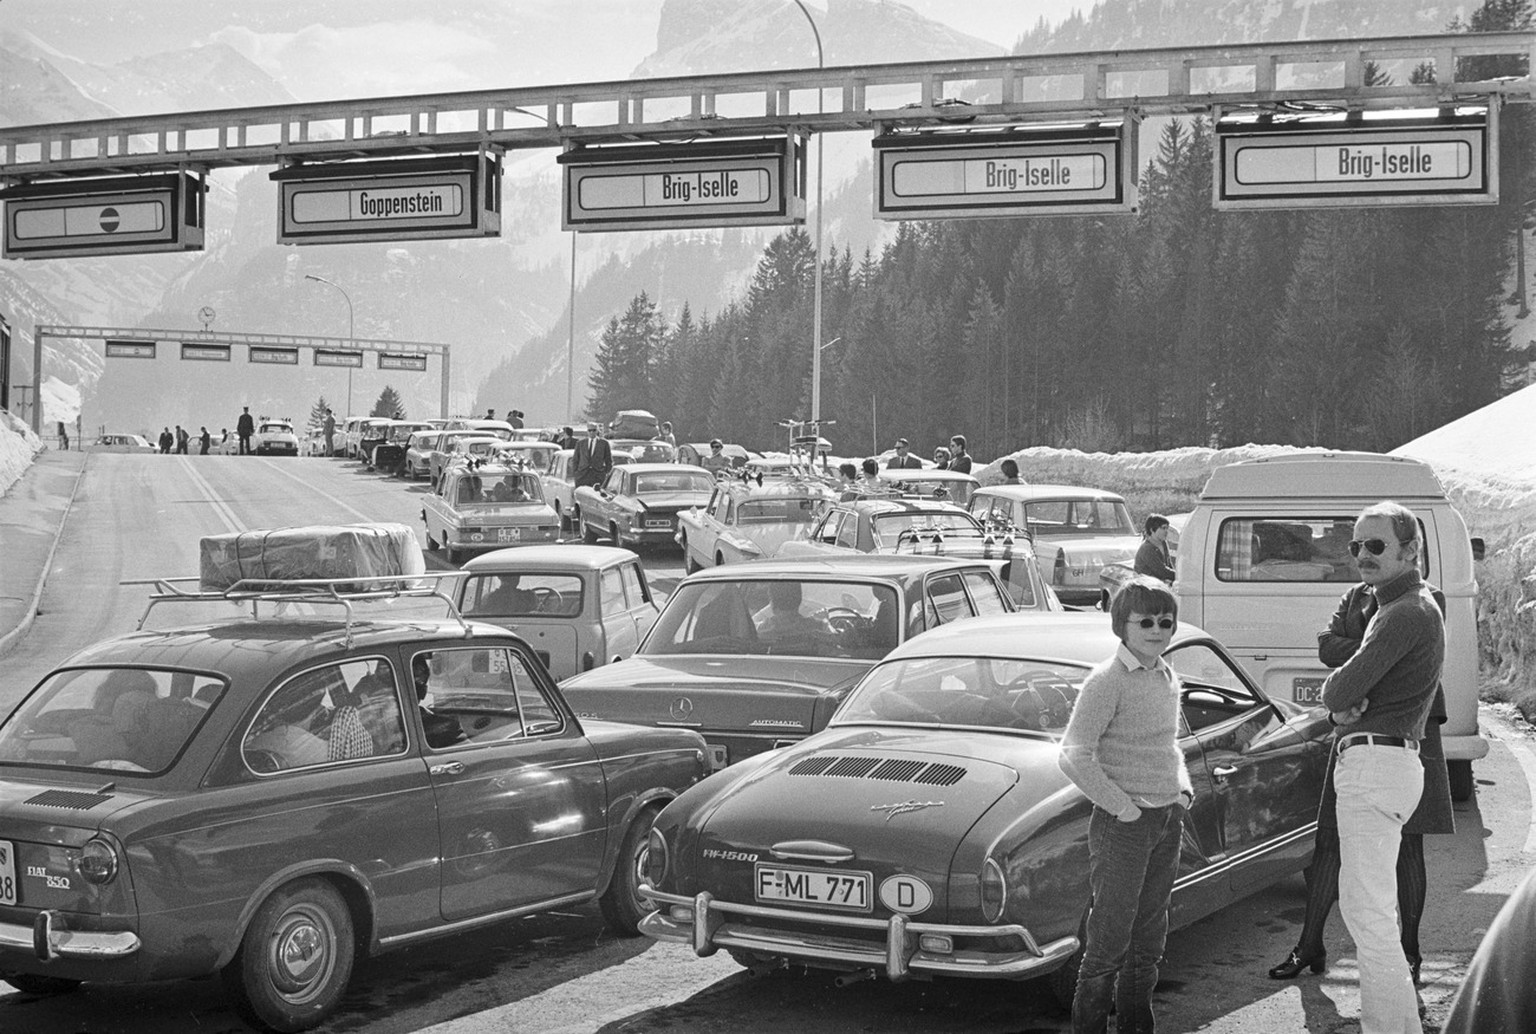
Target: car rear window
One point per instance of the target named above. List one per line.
(831, 619)
(972, 692)
(110, 718)
(790, 509)
(512, 594)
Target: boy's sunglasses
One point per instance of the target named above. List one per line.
(1375, 547)
(1163, 623)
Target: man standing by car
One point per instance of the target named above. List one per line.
(204, 439)
(330, 433)
(959, 459)
(1383, 694)
(903, 459)
(244, 428)
(593, 459)
(1152, 557)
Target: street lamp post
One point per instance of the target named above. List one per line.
(351, 335)
(816, 243)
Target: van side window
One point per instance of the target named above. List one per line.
(1291, 549)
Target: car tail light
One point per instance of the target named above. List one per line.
(98, 861)
(655, 858)
(994, 891)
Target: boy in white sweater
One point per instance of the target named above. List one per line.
(1121, 748)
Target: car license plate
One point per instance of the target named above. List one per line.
(657, 522)
(508, 534)
(1307, 689)
(848, 890)
(7, 873)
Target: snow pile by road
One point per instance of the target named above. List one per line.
(17, 447)
(1174, 471)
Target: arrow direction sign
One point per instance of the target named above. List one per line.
(407, 199)
(114, 216)
(669, 186)
(1014, 170)
(1337, 163)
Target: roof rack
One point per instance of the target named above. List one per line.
(333, 592)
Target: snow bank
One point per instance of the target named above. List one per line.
(17, 447)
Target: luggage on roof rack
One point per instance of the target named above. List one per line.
(324, 552)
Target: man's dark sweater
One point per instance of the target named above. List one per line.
(1398, 664)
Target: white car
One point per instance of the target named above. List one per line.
(121, 443)
(274, 438)
(1076, 531)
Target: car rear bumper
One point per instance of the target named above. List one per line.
(48, 938)
(714, 924)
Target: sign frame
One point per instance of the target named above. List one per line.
(626, 175)
(959, 155)
(168, 208)
(307, 194)
(1475, 131)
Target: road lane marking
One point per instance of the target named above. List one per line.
(360, 515)
(672, 969)
(221, 509)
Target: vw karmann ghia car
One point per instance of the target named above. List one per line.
(929, 830)
(267, 799)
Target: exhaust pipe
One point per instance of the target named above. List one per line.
(857, 976)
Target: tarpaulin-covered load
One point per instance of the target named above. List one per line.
(634, 423)
(322, 551)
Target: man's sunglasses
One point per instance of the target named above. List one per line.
(1164, 623)
(1375, 547)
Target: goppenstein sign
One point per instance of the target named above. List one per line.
(114, 215)
(1339, 162)
(404, 199)
(1007, 170)
(753, 182)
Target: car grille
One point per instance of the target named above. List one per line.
(79, 800)
(895, 770)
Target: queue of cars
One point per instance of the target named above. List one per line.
(832, 745)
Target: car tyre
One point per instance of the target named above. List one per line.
(588, 534)
(719, 559)
(34, 984)
(1461, 779)
(613, 533)
(1063, 980)
(621, 903)
(690, 565)
(295, 958)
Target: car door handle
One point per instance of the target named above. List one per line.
(447, 768)
(1222, 772)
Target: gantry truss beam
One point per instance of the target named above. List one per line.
(1016, 88)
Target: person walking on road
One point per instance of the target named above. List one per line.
(244, 428)
(204, 439)
(63, 437)
(167, 441)
(1336, 644)
(330, 433)
(593, 459)
(1121, 748)
(1152, 557)
(1383, 695)
(182, 438)
(959, 459)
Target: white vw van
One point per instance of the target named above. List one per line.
(1264, 559)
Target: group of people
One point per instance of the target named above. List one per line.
(180, 440)
(1387, 786)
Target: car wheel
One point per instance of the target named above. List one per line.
(32, 984)
(588, 534)
(621, 903)
(295, 959)
(613, 533)
(719, 559)
(1461, 779)
(690, 565)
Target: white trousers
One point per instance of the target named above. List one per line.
(1378, 789)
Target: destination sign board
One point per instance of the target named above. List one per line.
(336, 357)
(669, 186)
(402, 361)
(130, 349)
(110, 216)
(1337, 163)
(1010, 171)
(407, 199)
(205, 353)
(274, 355)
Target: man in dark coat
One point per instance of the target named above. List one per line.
(167, 442)
(903, 460)
(593, 459)
(959, 459)
(182, 438)
(244, 428)
(203, 441)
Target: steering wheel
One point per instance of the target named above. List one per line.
(843, 619)
(263, 761)
(547, 599)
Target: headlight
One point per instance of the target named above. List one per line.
(656, 858)
(98, 861)
(994, 891)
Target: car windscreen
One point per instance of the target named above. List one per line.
(512, 594)
(888, 527)
(785, 509)
(969, 692)
(780, 616)
(679, 481)
(1061, 518)
(115, 719)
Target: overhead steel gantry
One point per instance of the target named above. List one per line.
(1277, 76)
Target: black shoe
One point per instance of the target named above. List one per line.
(1295, 962)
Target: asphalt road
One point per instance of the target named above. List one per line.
(142, 516)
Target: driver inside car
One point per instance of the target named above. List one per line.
(783, 618)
